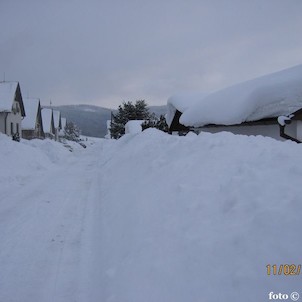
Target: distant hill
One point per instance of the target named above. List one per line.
(92, 119)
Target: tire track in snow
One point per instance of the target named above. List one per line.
(42, 244)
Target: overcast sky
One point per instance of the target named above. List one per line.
(104, 52)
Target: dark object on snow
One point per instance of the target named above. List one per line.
(16, 137)
(82, 144)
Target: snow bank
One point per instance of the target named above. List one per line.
(20, 161)
(133, 127)
(272, 95)
(198, 218)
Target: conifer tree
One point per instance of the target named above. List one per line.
(127, 112)
(155, 122)
(72, 132)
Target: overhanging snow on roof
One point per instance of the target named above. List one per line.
(57, 118)
(268, 96)
(181, 102)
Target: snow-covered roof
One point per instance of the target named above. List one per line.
(46, 119)
(268, 96)
(63, 122)
(181, 102)
(7, 95)
(133, 126)
(56, 118)
(31, 108)
(63, 125)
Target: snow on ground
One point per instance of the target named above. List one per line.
(134, 126)
(152, 218)
(43, 217)
(198, 218)
(19, 161)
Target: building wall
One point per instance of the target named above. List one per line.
(264, 130)
(28, 134)
(13, 122)
(2, 121)
(299, 130)
(57, 131)
(291, 129)
(272, 131)
(49, 135)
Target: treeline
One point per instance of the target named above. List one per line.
(128, 111)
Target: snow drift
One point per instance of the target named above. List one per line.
(19, 162)
(150, 217)
(198, 218)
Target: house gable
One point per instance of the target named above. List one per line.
(32, 126)
(18, 98)
(11, 108)
(40, 121)
(10, 94)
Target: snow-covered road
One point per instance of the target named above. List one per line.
(47, 228)
(150, 218)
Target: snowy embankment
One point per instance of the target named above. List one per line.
(150, 217)
(45, 192)
(198, 218)
(21, 161)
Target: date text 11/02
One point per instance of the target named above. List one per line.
(283, 269)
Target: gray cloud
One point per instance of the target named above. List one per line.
(103, 52)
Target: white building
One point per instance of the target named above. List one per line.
(11, 108)
(32, 126)
(250, 108)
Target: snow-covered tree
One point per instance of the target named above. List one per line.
(155, 122)
(72, 132)
(126, 112)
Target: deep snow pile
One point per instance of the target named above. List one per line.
(150, 217)
(20, 162)
(198, 218)
(46, 193)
